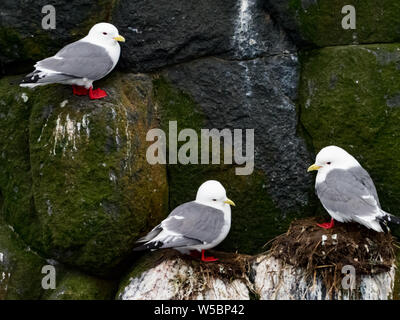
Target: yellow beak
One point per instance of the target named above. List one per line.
(313, 168)
(228, 201)
(120, 39)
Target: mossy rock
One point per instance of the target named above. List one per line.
(20, 267)
(73, 285)
(84, 190)
(319, 22)
(349, 97)
(256, 218)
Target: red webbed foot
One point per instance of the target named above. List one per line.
(80, 91)
(97, 93)
(327, 225)
(207, 259)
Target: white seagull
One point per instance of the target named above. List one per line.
(347, 191)
(194, 226)
(81, 63)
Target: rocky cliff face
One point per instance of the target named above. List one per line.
(75, 186)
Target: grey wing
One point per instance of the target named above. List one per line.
(196, 222)
(366, 180)
(349, 193)
(151, 235)
(81, 60)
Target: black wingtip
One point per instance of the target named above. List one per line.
(388, 218)
(149, 246)
(31, 78)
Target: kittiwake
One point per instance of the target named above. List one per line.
(81, 63)
(194, 226)
(347, 192)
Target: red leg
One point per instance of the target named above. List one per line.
(327, 225)
(207, 259)
(97, 94)
(80, 91)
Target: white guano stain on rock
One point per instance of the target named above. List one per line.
(174, 279)
(270, 280)
(85, 124)
(64, 103)
(113, 177)
(68, 132)
(128, 142)
(275, 281)
(24, 97)
(43, 128)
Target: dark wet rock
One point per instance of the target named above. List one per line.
(319, 23)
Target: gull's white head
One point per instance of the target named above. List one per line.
(333, 157)
(105, 33)
(212, 193)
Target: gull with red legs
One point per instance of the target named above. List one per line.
(80, 63)
(194, 227)
(347, 191)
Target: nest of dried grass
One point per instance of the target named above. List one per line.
(323, 253)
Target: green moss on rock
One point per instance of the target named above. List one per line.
(15, 46)
(349, 98)
(320, 21)
(20, 267)
(86, 189)
(74, 285)
(255, 219)
(15, 170)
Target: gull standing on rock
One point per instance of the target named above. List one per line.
(347, 191)
(194, 226)
(81, 63)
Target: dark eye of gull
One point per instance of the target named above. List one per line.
(328, 162)
(105, 33)
(214, 199)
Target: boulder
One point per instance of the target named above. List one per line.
(20, 267)
(166, 275)
(22, 274)
(276, 280)
(74, 285)
(348, 261)
(319, 22)
(74, 176)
